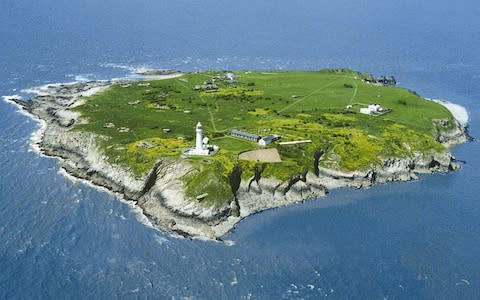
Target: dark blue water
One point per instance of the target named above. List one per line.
(64, 239)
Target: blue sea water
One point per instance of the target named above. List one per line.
(64, 239)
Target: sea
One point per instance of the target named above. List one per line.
(61, 238)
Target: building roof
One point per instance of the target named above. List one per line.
(270, 138)
(245, 134)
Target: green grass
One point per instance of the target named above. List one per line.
(296, 105)
(209, 180)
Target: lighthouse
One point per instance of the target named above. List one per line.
(199, 138)
(202, 147)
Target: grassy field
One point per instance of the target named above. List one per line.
(149, 120)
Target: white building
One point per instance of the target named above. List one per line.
(372, 109)
(231, 77)
(267, 140)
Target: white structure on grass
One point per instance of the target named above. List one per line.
(267, 140)
(201, 144)
(231, 77)
(372, 109)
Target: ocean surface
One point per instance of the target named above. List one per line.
(63, 239)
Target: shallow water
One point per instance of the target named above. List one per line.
(65, 239)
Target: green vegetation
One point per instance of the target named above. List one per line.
(211, 181)
(146, 121)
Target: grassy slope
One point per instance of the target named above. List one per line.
(297, 105)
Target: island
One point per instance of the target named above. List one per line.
(199, 151)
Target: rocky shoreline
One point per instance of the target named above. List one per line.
(160, 194)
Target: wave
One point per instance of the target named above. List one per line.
(37, 135)
(132, 69)
(11, 98)
(46, 89)
(117, 66)
(82, 78)
(459, 112)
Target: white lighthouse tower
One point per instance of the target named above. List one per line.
(199, 138)
(201, 144)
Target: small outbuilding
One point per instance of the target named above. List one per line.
(387, 80)
(231, 77)
(390, 80)
(374, 109)
(267, 140)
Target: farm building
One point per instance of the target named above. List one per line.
(245, 135)
(266, 140)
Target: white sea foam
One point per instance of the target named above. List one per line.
(135, 77)
(82, 78)
(140, 69)
(46, 89)
(161, 240)
(37, 135)
(229, 243)
(11, 98)
(42, 90)
(234, 280)
(132, 69)
(74, 179)
(463, 282)
(117, 66)
(459, 112)
(136, 72)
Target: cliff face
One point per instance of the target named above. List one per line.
(160, 194)
(78, 150)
